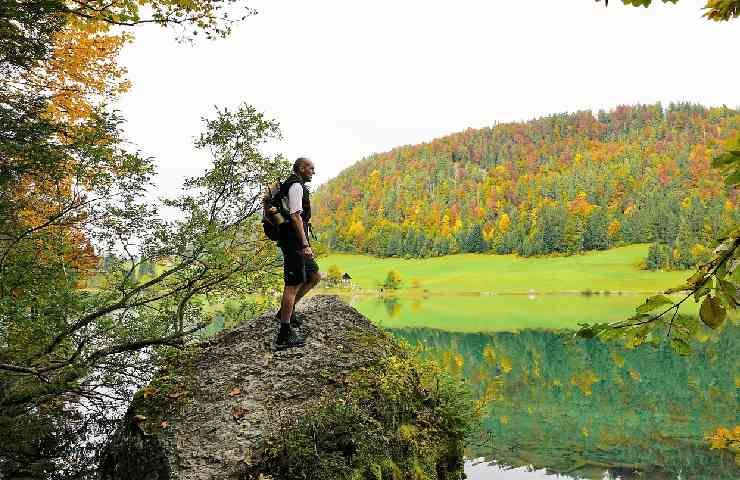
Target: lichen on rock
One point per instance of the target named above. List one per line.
(352, 403)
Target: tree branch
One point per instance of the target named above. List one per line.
(128, 347)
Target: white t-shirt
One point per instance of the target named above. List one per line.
(295, 198)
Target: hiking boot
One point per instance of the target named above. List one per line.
(295, 322)
(288, 338)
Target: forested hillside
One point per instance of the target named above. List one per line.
(564, 183)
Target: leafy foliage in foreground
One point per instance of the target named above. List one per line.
(717, 10)
(70, 192)
(399, 419)
(716, 285)
(70, 355)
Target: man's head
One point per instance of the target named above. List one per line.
(303, 166)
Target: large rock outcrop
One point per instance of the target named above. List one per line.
(230, 408)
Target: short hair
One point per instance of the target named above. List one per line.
(300, 161)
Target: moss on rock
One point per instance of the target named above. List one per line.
(399, 418)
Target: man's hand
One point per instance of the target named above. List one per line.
(307, 252)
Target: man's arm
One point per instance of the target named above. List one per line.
(295, 196)
(297, 222)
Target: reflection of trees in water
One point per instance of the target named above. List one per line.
(392, 306)
(584, 407)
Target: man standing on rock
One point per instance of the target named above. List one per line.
(300, 270)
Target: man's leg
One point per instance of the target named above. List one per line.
(290, 297)
(312, 280)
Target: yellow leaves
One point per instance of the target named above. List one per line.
(491, 391)
(488, 233)
(504, 222)
(393, 280)
(417, 209)
(489, 354)
(618, 359)
(698, 250)
(356, 229)
(725, 439)
(459, 361)
(458, 226)
(613, 228)
(548, 202)
(635, 375)
(505, 364)
(722, 10)
(445, 226)
(584, 381)
(374, 179)
(334, 275)
(83, 71)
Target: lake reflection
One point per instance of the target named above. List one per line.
(589, 410)
(474, 313)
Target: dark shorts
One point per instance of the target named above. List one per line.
(296, 268)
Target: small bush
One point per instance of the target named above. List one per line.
(392, 280)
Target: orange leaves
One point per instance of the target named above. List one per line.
(504, 223)
(724, 438)
(236, 391)
(238, 412)
(580, 205)
(81, 73)
(83, 69)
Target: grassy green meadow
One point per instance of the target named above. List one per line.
(500, 313)
(487, 293)
(612, 270)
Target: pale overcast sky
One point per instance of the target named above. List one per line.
(346, 79)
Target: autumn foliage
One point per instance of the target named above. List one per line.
(560, 184)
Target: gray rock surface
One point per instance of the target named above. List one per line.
(216, 432)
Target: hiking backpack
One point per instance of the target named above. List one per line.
(274, 210)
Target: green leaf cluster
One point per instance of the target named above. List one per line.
(717, 10)
(715, 285)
